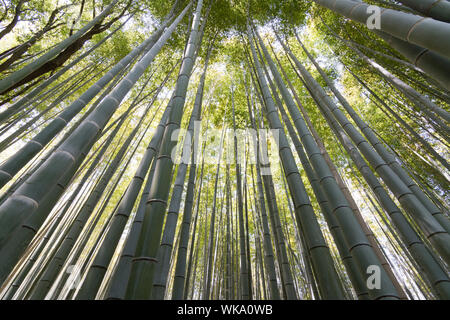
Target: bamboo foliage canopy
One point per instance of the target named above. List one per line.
(225, 149)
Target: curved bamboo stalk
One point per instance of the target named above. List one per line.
(23, 102)
(405, 26)
(27, 197)
(435, 65)
(65, 94)
(12, 79)
(10, 167)
(436, 9)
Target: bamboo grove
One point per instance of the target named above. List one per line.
(225, 149)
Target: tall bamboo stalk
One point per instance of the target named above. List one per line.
(10, 167)
(190, 145)
(405, 26)
(26, 198)
(142, 275)
(426, 220)
(15, 77)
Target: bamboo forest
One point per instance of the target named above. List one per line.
(225, 150)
